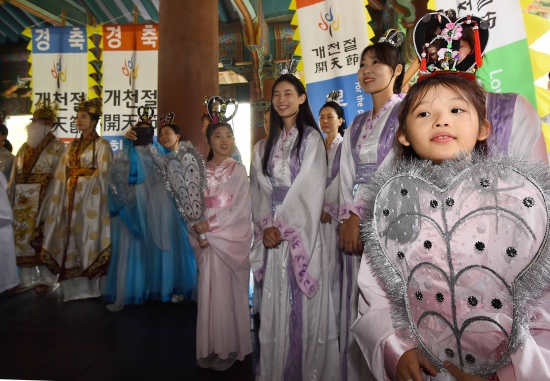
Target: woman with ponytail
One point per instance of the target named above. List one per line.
(331, 120)
(365, 146)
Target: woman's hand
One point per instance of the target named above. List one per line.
(131, 134)
(325, 217)
(408, 366)
(201, 227)
(350, 235)
(460, 375)
(272, 237)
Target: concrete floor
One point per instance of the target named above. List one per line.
(42, 338)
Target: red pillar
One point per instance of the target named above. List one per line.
(188, 63)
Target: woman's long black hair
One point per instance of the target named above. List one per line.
(303, 118)
(339, 112)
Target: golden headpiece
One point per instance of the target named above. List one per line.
(92, 106)
(46, 110)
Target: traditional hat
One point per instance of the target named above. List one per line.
(443, 32)
(92, 106)
(46, 110)
(145, 114)
(289, 67)
(167, 118)
(217, 108)
(393, 37)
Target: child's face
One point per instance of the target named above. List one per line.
(443, 125)
(222, 141)
(375, 76)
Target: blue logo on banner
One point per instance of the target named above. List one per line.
(69, 39)
(353, 99)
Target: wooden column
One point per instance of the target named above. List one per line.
(188, 63)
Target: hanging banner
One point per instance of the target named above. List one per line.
(332, 35)
(59, 69)
(506, 64)
(130, 67)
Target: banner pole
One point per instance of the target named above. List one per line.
(135, 14)
(63, 17)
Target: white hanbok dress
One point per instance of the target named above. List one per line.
(330, 231)
(364, 148)
(298, 336)
(8, 270)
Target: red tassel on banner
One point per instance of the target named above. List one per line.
(423, 62)
(477, 48)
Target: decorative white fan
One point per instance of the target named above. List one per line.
(184, 174)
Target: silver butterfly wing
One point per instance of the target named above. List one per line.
(186, 177)
(458, 245)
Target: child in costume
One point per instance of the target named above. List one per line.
(298, 332)
(456, 254)
(332, 123)
(77, 227)
(152, 258)
(223, 321)
(364, 148)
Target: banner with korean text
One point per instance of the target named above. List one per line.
(60, 72)
(130, 67)
(332, 35)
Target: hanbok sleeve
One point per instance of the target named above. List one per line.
(347, 181)
(332, 192)
(232, 236)
(13, 175)
(6, 216)
(261, 190)
(8, 269)
(298, 217)
(380, 343)
(527, 137)
(240, 202)
(532, 360)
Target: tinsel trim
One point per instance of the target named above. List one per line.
(528, 286)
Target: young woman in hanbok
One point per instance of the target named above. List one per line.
(298, 332)
(77, 226)
(457, 258)
(365, 145)
(223, 321)
(331, 120)
(152, 258)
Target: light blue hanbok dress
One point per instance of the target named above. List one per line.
(151, 256)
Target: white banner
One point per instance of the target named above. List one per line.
(332, 36)
(130, 68)
(59, 69)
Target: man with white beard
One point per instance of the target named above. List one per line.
(30, 179)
